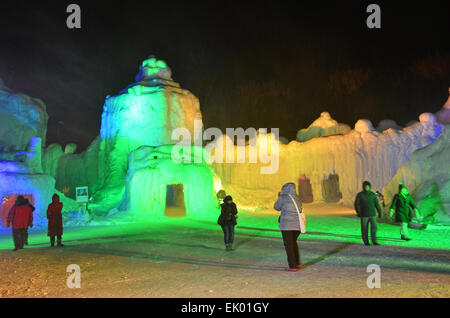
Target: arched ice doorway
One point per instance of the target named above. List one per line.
(175, 206)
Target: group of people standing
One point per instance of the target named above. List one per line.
(367, 207)
(20, 218)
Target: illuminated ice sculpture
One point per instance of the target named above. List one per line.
(23, 126)
(152, 171)
(143, 114)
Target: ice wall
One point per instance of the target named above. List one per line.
(40, 186)
(362, 154)
(23, 125)
(427, 176)
(73, 170)
(152, 169)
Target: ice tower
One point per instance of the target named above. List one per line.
(143, 114)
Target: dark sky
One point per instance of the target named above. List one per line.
(251, 63)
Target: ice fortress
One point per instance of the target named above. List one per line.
(134, 137)
(332, 167)
(23, 128)
(128, 167)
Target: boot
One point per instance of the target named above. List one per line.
(52, 242)
(227, 247)
(59, 243)
(405, 238)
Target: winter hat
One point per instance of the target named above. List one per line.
(221, 194)
(288, 188)
(366, 183)
(20, 200)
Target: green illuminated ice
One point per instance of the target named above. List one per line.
(143, 114)
(152, 170)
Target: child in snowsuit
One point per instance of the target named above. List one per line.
(54, 216)
(401, 206)
(20, 217)
(227, 220)
(367, 206)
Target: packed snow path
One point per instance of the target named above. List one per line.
(175, 257)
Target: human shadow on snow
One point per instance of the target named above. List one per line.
(177, 259)
(322, 233)
(173, 259)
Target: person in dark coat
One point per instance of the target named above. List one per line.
(289, 223)
(54, 216)
(367, 206)
(227, 220)
(20, 217)
(401, 206)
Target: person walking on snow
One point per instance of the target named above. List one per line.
(401, 206)
(227, 220)
(289, 223)
(367, 206)
(54, 216)
(20, 217)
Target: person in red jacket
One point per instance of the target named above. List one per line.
(20, 217)
(54, 216)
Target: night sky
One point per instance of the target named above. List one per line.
(251, 63)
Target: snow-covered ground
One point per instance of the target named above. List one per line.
(176, 257)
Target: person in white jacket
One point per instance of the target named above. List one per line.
(289, 223)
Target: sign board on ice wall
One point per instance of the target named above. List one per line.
(82, 194)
